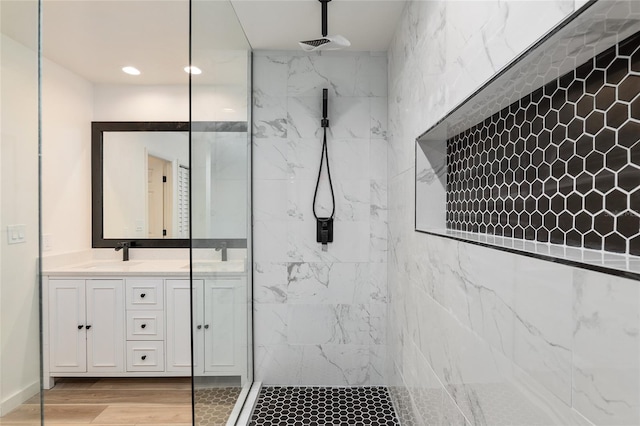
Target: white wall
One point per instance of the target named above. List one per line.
(168, 103)
(479, 336)
(19, 321)
(67, 101)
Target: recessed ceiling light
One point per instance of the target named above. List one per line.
(228, 109)
(193, 70)
(131, 70)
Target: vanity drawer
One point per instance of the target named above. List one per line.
(145, 325)
(145, 356)
(145, 294)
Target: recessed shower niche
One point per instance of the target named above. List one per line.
(545, 158)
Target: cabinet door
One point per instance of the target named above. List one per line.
(179, 323)
(105, 326)
(221, 326)
(67, 332)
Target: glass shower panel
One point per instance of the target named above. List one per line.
(110, 351)
(19, 246)
(220, 196)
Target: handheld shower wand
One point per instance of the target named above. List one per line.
(324, 225)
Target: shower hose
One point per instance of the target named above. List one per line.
(325, 154)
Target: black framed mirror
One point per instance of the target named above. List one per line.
(142, 176)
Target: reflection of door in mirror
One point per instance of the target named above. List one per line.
(167, 198)
(159, 206)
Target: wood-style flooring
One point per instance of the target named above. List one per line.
(122, 401)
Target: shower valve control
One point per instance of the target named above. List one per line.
(324, 230)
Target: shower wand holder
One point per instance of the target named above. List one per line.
(324, 230)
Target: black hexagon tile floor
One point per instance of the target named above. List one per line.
(298, 406)
(562, 165)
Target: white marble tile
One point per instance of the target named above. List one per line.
(377, 362)
(461, 361)
(377, 289)
(343, 76)
(378, 118)
(303, 157)
(379, 241)
(377, 323)
(270, 200)
(270, 159)
(304, 115)
(350, 118)
(278, 364)
(377, 67)
(270, 241)
(270, 282)
(378, 159)
(270, 74)
(269, 116)
(349, 158)
(326, 283)
(543, 324)
(484, 298)
(335, 336)
(270, 323)
(606, 348)
(335, 365)
(322, 324)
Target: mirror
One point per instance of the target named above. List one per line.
(141, 175)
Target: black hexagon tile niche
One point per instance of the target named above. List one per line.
(298, 406)
(561, 165)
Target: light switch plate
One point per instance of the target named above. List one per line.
(16, 234)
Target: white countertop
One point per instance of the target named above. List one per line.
(155, 267)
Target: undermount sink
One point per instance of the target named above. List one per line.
(110, 266)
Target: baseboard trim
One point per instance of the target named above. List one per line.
(14, 401)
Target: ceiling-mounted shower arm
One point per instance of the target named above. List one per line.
(324, 17)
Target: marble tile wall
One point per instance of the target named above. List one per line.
(320, 317)
(478, 336)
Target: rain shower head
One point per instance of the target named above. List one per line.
(325, 43)
(334, 42)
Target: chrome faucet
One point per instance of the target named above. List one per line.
(124, 246)
(223, 247)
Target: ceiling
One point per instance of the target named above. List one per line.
(279, 25)
(96, 38)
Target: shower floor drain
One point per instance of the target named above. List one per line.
(297, 406)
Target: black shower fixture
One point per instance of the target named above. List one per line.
(333, 42)
(324, 225)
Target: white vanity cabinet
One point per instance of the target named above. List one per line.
(141, 326)
(86, 325)
(145, 324)
(219, 327)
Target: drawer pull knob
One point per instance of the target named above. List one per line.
(206, 326)
(88, 327)
(144, 357)
(199, 327)
(143, 325)
(142, 295)
(80, 327)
